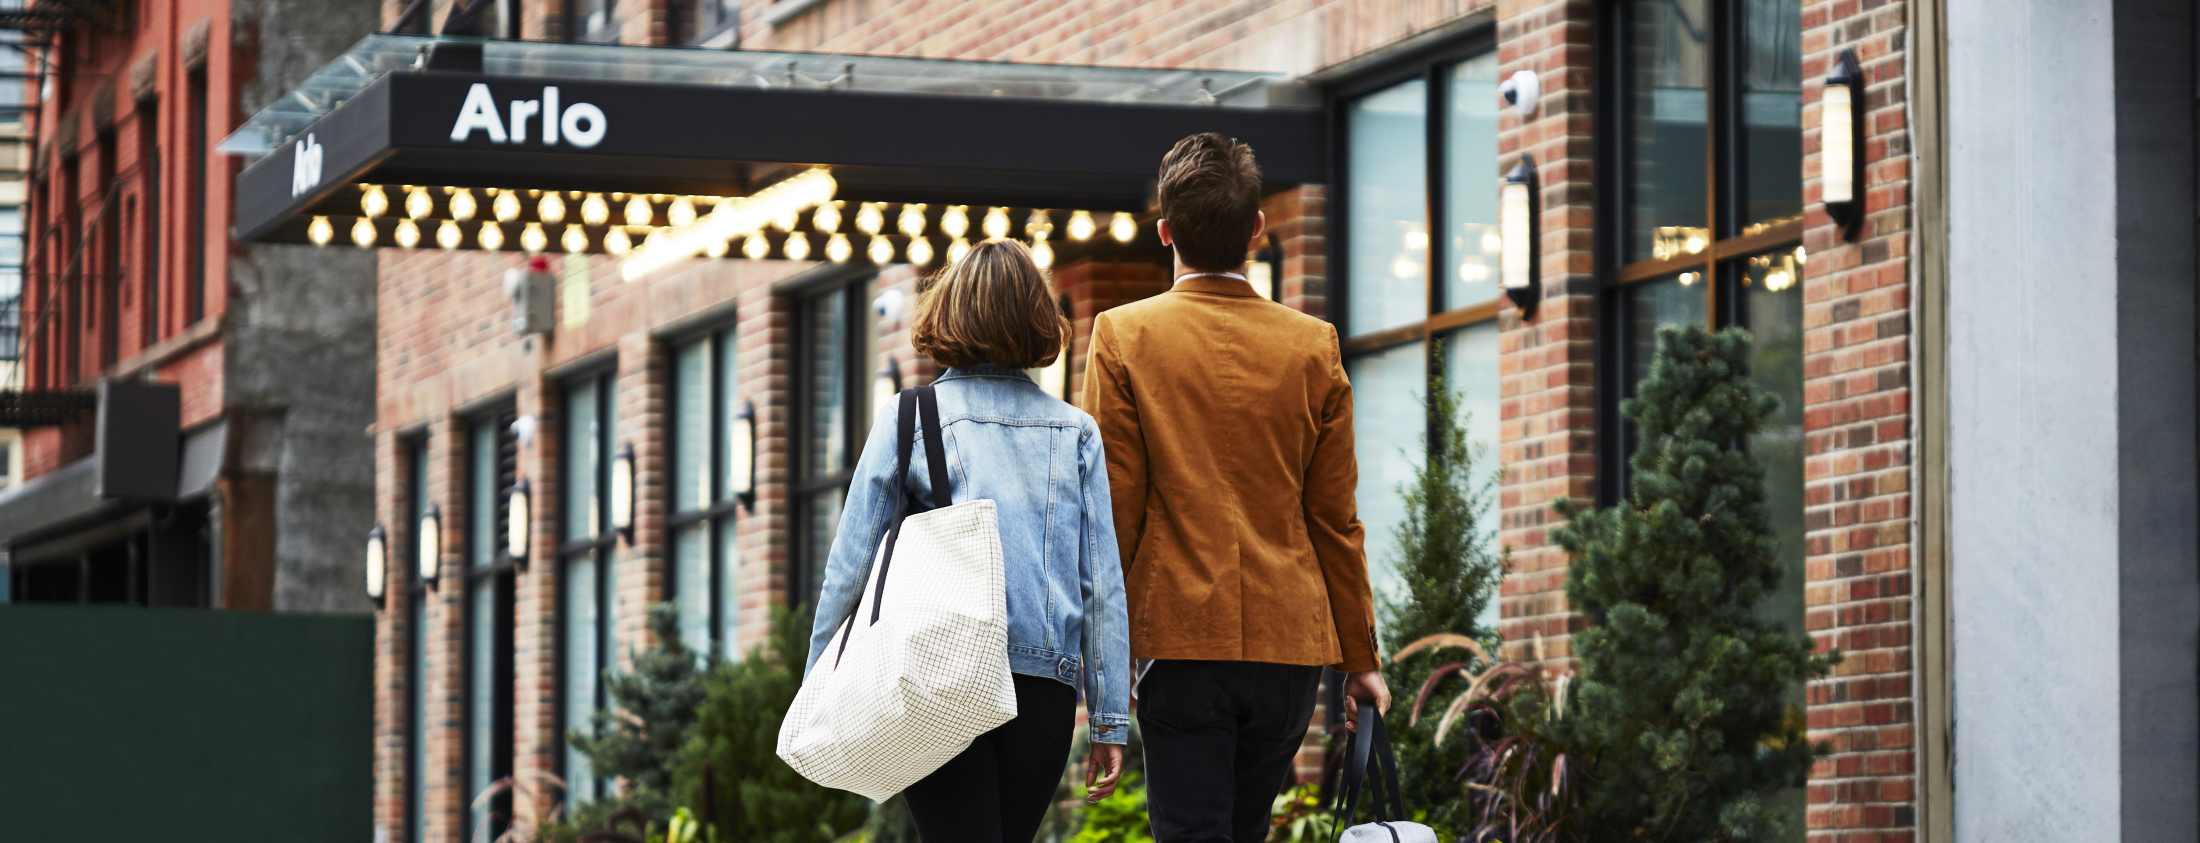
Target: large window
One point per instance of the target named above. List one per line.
(705, 562)
(416, 646)
(700, 21)
(834, 345)
(1420, 273)
(1703, 225)
(590, 20)
(491, 591)
(586, 553)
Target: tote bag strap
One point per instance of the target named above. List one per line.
(935, 448)
(1371, 741)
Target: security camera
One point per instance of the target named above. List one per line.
(888, 306)
(1521, 91)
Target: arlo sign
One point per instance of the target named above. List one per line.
(580, 124)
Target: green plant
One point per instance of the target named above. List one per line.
(653, 710)
(1120, 818)
(752, 796)
(1683, 701)
(1450, 572)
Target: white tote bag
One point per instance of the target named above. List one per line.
(919, 667)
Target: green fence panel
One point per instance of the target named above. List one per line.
(127, 724)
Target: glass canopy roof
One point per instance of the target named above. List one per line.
(380, 54)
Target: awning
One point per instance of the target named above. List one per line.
(670, 123)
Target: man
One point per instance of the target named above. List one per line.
(1228, 425)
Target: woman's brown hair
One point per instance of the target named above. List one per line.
(993, 306)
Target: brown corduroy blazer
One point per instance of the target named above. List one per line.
(1228, 425)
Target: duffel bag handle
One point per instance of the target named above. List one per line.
(920, 401)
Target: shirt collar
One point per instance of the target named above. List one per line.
(983, 370)
(1216, 284)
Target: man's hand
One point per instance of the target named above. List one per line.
(1365, 685)
(1103, 768)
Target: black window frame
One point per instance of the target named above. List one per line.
(603, 546)
(722, 339)
(417, 461)
(502, 574)
(806, 485)
(1731, 243)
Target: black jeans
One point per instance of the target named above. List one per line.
(997, 790)
(1220, 738)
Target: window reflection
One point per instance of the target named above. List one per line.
(1387, 388)
(1772, 110)
(1471, 176)
(1667, 109)
(1387, 208)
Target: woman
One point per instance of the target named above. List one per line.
(987, 318)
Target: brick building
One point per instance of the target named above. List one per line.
(191, 411)
(679, 424)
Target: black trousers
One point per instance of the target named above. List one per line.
(997, 790)
(1220, 738)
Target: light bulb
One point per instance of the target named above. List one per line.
(1122, 227)
(506, 206)
(837, 249)
(533, 239)
(996, 222)
(1799, 256)
(551, 208)
(1778, 279)
(1474, 271)
(1416, 240)
(448, 236)
(716, 249)
(1491, 243)
(1038, 225)
(362, 233)
(463, 206)
(911, 222)
(1081, 225)
(617, 242)
(797, 247)
(920, 251)
(869, 219)
(408, 233)
(827, 218)
(788, 219)
(1042, 254)
(755, 247)
(1687, 279)
(1404, 267)
(417, 203)
(682, 212)
(594, 210)
(320, 232)
(492, 236)
(374, 202)
(638, 211)
(882, 250)
(957, 249)
(955, 221)
(1695, 243)
(575, 240)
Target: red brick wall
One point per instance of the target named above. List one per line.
(1858, 445)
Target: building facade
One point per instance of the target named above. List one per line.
(681, 430)
(192, 410)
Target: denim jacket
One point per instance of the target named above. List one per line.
(1040, 461)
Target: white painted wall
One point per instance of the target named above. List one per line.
(2033, 450)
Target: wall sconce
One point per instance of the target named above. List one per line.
(518, 517)
(378, 563)
(1841, 145)
(885, 383)
(1516, 224)
(741, 455)
(430, 545)
(622, 492)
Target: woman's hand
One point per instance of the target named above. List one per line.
(1103, 769)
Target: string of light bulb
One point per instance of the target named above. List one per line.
(652, 230)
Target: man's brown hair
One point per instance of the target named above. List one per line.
(1210, 194)
(993, 306)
